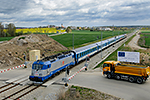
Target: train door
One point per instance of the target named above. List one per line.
(48, 69)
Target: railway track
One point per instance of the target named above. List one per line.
(16, 91)
(11, 87)
(10, 83)
(21, 92)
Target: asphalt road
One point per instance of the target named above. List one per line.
(119, 88)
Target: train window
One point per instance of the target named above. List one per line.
(37, 66)
(90, 50)
(34, 66)
(80, 54)
(48, 66)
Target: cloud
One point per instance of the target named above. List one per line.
(74, 12)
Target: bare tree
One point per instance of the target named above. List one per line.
(1, 29)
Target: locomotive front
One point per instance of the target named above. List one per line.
(39, 71)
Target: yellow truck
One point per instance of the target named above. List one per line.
(132, 73)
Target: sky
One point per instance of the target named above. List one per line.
(34, 13)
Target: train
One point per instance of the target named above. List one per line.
(45, 68)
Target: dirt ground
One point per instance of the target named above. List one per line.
(134, 43)
(145, 53)
(12, 52)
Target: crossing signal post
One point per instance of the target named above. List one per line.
(68, 71)
(87, 61)
(65, 79)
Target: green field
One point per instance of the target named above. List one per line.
(145, 38)
(145, 31)
(5, 38)
(45, 33)
(84, 36)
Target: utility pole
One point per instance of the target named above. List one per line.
(101, 45)
(113, 33)
(73, 40)
(118, 37)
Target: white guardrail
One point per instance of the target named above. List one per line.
(76, 73)
(12, 68)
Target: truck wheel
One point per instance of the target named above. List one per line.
(109, 75)
(131, 79)
(118, 77)
(139, 80)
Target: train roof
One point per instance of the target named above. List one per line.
(78, 50)
(53, 58)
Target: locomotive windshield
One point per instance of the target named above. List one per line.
(37, 66)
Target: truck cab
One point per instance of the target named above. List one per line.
(109, 66)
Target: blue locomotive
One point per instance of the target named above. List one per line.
(43, 69)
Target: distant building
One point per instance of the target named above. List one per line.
(62, 26)
(73, 27)
(51, 26)
(108, 29)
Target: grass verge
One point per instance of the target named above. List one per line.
(5, 38)
(82, 93)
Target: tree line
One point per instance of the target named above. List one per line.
(10, 30)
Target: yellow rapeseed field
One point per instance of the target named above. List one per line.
(39, 30)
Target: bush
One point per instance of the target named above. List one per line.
(21, 38)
